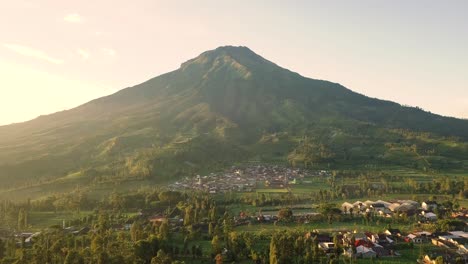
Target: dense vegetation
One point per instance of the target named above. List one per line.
(195, 227)
(224, 107)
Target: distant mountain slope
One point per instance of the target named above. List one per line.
(226, 105)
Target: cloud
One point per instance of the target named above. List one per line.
(109, 51)
(31, 52)
(74, 18)
(83, 54)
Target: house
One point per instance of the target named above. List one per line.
(275, 183)
(372, 237)
(381, 251)
(364, 243)
(24, 235)
(461, 243)
(157, 219)
(406, 208)
(429, 205)
(327, 247)
(82, 231)
(346, 206)
(429, 216)
(359, 205)
(381, 239)
(30, 239)
(387, 204)
(324, 238)
(409, 202)
(393, 206)
(443, 242)
(380, 208)
(321, 238)
(359, 236)
(393, 232)
(447, 257)
(417, 239)
(264, 218)
(365, 252)
(459, 233)
(423, 233)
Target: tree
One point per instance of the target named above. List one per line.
(97, 244)
(216, 245)
(227, 226)
(282, 247)
(164, 230)
(103, 223)
(39, 254)
(22, 219)
(73, 257)
(299, 247)
(116, 201)
(285, 214)
(273, 251)
(337, 243)
(56, 250)
(212, 213)
(136, 231)
(329, 210)
(103, 258)
(161, 258)
(170, 197)
(188, 217)
(439, 260)
(143, 250)
(315, 249)
(210, 229)
(2, 248)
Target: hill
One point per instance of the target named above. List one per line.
(226, 106)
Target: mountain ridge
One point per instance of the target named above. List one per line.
(226, 105)
(216, 53)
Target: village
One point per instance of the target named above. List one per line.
(450, 245)
(351, 228)
(245, 179)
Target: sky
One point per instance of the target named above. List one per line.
(56, 55)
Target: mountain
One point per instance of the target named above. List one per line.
(226, 106)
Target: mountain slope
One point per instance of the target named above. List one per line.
(226, 105)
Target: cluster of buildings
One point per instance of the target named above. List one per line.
(388, 209)
(358, 245)
(452, 245)
(453, 242)
(244, 179)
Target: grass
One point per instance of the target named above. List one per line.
(356, 224)
(41, 220)
(272, 190)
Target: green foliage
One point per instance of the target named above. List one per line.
(285, 214)
(161, 258)
(216, 245)
(2, 248)
(73, 257)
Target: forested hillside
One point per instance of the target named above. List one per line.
(226, 106)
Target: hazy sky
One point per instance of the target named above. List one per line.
(57, 54)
